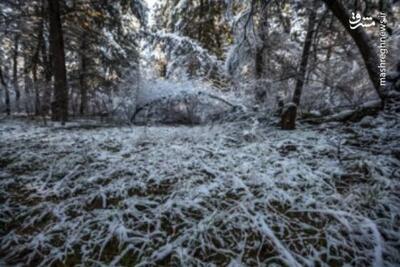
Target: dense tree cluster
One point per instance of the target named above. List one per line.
(65, 55)
(266, 50)
(275, 48)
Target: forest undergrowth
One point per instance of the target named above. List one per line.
(241, 193)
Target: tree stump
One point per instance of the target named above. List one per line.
(288, 117)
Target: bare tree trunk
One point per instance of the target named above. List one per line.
(60, 106)
(35, 62)
(262, 34)
(363, 42)
(200, 28)
(15, 73)
(36, 87)
(304, 59)
(289, 114)
(328, 55)
(7, 93)
(259, 60)
(82, 78)
(27, 88)
(327, 77)
(46, 59)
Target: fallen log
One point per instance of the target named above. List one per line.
(370, 108)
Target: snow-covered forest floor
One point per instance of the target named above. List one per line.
(237, 193)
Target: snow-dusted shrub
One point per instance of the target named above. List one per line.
(172, 102)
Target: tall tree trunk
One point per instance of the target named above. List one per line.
(35, 62)
(262, 35)
(15, 73)
(82, 77)
(27, 87)
(327, 77)
(60, 106)
(37, 93)
(328, 56)
(199, 28)
(363, 42)
(289, 114)
(304, 59)
(46, 59)
(259, 60)
(7, 93)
